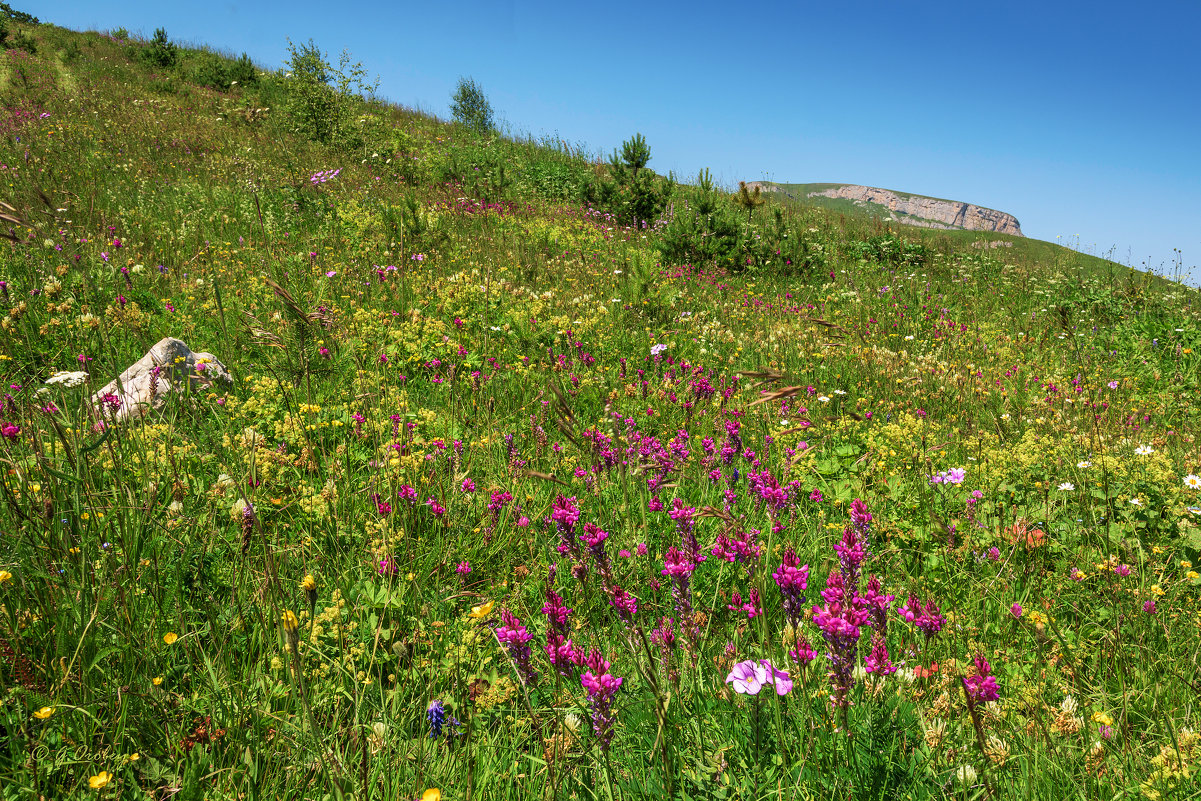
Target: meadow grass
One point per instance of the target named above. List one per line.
(947, 494)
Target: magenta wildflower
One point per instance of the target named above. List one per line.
(752, 606)
(463, 568)
(877, 661)
(514, 636)
(802, 653)
(793, 579)
(625, 604)
(498, 501)
(601, 686)
(981, 687)
(877, 604)
(1016, 610)
(664, 636)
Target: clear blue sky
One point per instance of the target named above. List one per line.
(1083, 120)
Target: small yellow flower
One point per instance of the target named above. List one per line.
(1102, 718)
(44, 712)
(290, 621)
(1156, 589)
(481, 611)
(308, 583)
(432, 794)
(1192, 574)
(170, 637)
(100, 780)
(5, 576)
(135, 756)
(157, 680)
(1185, 564)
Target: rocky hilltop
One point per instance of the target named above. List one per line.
(926, 212)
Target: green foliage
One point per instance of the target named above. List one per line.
(212, 71)
(18, 38)
(17, 16)
(244, 72)
(893, 251)
(748, 200)
(702, 229)
(633, 193)
(321, 97)
(470, 107)
(160, 51)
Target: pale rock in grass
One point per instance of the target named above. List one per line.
(140, 390)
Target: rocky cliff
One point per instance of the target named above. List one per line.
(927, 211)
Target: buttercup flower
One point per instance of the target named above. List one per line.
(44, 712)
(482, 611)
(170, 637)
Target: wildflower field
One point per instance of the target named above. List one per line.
(545, 476)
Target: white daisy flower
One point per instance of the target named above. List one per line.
(1067, 486)
(1192, 482)
(1084, 463)
(1144, 450)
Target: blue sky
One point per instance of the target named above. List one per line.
(1083, 120)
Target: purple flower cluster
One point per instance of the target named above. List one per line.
(322, 176)
(514, 636)
(982, 687)
(793, 579)
(928, 618)
(601, 686)
(843, 614)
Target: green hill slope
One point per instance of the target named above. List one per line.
(538, 477)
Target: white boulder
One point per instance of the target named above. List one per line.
(170, 367)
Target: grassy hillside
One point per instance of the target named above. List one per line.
(1019, 250)
(546, 478)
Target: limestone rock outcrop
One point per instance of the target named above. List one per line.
(170, 367)
(928, 212)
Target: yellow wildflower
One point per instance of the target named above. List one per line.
(170, 637)
(308, 584)
(44, 712)
(5, 576)
(481, 611)
(100, 780)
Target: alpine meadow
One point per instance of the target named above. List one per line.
(350, 453)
